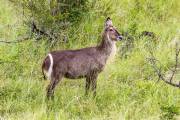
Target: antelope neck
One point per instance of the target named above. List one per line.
(107, 45)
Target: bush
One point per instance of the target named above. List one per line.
(48, 17)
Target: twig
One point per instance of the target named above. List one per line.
(158, 70)
(35, 29)
(16, 41)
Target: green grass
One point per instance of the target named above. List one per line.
(127, 88)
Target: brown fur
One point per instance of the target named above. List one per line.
(86, 62)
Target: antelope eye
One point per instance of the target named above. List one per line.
(111, 29)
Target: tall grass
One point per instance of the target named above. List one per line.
(127, 88)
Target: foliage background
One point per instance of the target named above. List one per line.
(127, 89)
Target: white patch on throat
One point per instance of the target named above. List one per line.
(113, 48)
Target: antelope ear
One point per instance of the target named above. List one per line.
(108, 22)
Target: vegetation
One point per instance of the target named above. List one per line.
(128, 87)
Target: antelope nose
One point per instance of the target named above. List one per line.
(120, 37)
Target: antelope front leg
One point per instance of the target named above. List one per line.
(94, 83)
(88, 82)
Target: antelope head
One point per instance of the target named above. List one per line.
(111, 32)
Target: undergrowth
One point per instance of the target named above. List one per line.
(127, 89)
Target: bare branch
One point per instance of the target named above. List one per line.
(158, 70)
(16, 41)
(176, 64)
(36, 30)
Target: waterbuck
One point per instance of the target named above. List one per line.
(82, 63)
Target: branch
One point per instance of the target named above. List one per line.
(176, 64)
(16, 41)
(35, 29)
(158, 71)
(148, 34)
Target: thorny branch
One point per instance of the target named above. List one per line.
(16, 41)
(40, 32)
(158, 70)
(35, 30)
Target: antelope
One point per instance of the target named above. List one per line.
(82, 63)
